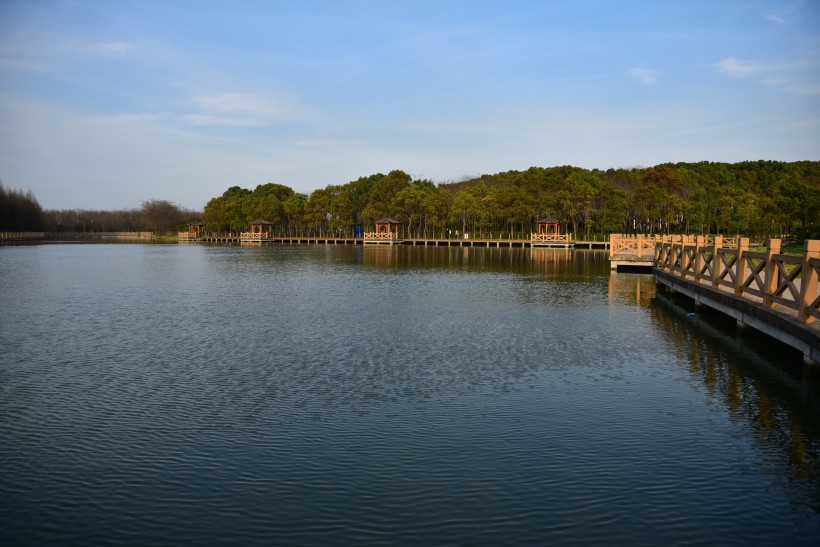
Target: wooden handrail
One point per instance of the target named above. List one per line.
(381, 235)
(22, 235)
(776, 279)
(637, 245)
(564, 238)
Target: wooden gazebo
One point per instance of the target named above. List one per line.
(387, 231)
(549, 234)
(261, 230)
(196, 231)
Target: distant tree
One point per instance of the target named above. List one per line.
(296, 208)
(160, 216)
(215, 216)
(19, 211)
(382, 193)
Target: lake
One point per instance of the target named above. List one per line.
(339, 395)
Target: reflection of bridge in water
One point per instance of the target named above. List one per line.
(779, 405)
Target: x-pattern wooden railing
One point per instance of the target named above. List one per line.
(255, 235)
(777, 279)
(22, 235)
(565, 238)
(787, 290)
(381, 235)
(632, 245)
(809, 295)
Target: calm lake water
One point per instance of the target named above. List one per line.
(193, 394)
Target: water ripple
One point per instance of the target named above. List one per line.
(310, 395)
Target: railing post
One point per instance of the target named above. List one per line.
(808, 283)
(770, 281)
(740, 268)
(699, 244)
(717, 261)
(678, 256)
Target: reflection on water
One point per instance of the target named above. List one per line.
(206, 394)
(763, 388)
(553, 262)
(634, 288)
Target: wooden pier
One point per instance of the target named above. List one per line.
(425, 242)
(632, 251)
(774, 293)
(637, 251)
(21, 236)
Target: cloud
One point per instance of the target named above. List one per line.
(646, 76)
(117, 48)
(737, 69)
(775, 19)
(798, 77)
(240, 109)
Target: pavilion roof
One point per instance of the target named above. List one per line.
(549, 220)
(260, 221)
(197, 223)
(388, 220)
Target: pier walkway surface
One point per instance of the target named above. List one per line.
(774, 293)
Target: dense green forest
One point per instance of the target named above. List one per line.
(760, 198)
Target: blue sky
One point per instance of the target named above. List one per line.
(104, 104)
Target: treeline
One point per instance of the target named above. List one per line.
(19, 211)
(156, 215)
(760, 198)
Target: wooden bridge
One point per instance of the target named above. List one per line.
(638, 250)
(21, 236)
(431, 242)
(772, 292)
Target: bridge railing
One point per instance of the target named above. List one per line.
(550, 238)
(254, 235)
(774, 278)
(381, 235)
(632, 245)
(22, 235)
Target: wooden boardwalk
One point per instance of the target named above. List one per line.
(774, 293)
(425, 242)
(21, 236)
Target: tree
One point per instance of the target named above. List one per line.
(215, 215)
(382, 193)
(19, 211)
(295, 208)
(159, 215)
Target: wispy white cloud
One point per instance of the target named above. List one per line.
(12, 64)
(241, 109)
(799, 77)
(737, 68)
(83, 48)
(117, 48)
(645, 76)
(775, 18)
